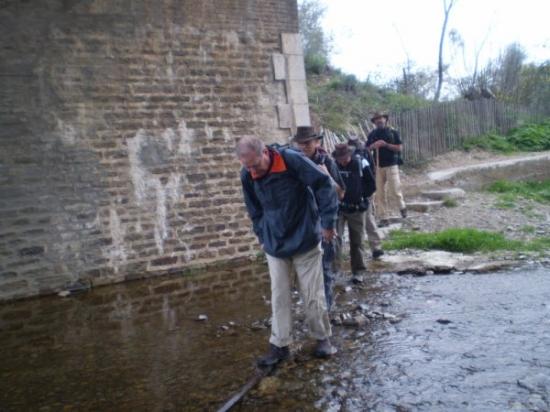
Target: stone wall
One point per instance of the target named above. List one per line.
(117, 127)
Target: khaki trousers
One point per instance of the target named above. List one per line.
(373, 235)
(309, 272)
(356, 229)
(388, 191)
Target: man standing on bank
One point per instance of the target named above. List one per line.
(292, 204)
(387, 145)
(309, 143)
(360, 185)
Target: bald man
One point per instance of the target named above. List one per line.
(292, 205)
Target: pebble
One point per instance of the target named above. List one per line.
(202, 318)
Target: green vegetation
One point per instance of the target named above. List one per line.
(450, 202)
(341, 100)
(532, 137)
(509, 192)
(463, 241)
(528, 229)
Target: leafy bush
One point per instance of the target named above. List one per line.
(527, 138)
(509, 191)
(315, 63)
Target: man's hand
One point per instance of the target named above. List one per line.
(329, 235)
(378, 144)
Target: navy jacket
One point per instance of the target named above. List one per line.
(289, 203)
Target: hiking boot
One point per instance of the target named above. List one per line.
(357, 278)
(377, 253)
(324, 349)
(274, 356)
(384, 223)
(404, 213)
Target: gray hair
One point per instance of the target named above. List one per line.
(249, 144)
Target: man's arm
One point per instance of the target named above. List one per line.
(253, 206)
(310, 175)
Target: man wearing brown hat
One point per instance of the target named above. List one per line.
(373, 234)
(309, 143)
(386, 143)
(360, 185)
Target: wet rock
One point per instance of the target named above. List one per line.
(261, 324)
(269, 386)
(354, 321)
(336, 320)
(418, 263)
(487, 267)
(443, 321)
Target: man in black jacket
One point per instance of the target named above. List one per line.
(373, 234)
(386, 142)
(360, 186)
(309, 143)
(292, 204)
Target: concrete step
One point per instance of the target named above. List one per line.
(442, 194)
(424, 207)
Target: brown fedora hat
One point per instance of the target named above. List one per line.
(305, 134)
(341, 150)
(378, 115)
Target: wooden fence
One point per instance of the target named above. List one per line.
(437, 129)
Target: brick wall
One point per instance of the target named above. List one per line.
(117, 127)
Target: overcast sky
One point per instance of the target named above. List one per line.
(373, 38)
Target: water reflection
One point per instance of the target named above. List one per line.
(466, 342)
(133, 346)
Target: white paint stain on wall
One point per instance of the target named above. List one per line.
(116, 252)
(149, 191)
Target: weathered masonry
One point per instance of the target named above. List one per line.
(117, 126)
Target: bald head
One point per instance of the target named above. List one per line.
(253, 155)
(248, 145)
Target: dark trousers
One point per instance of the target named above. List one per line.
(328, 260)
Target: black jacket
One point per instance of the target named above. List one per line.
(289, 204)
(360, 185)
(390, 135)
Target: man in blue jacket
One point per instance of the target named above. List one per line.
(292, 204)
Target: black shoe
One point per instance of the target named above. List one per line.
(274, 356)
(404, 213)
(376, 253)
(324, 349)
(357, 278)
(383, 223)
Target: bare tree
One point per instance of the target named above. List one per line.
(447, 6)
